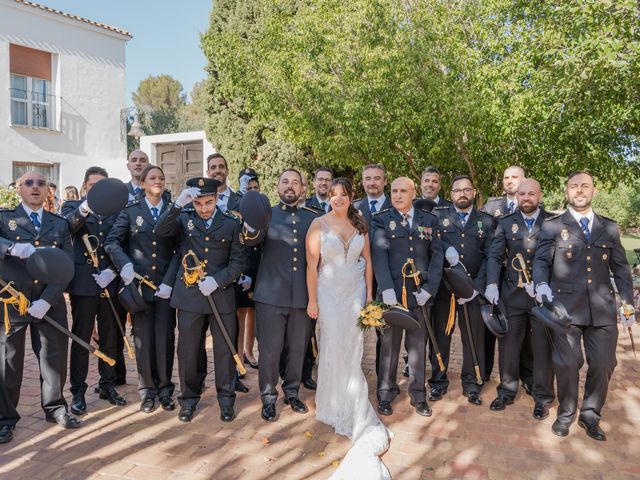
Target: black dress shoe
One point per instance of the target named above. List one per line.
(593, 430)
(474, 398)
(253, 365)
(540, 411)
(384, 408)
(560, 429)
(78, 404)
(112, 396)
(422, 408)
(167, 403)
(148, 405)
(297, 405)
(268, 412)
(6, 433)
(310, 384)
(227, 414)
(186, 414)
(436, 394)
(500, 404)
(527, 389)
(240, 387)
(405, 371)
(65, 421)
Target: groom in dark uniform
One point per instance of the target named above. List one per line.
(401, 233)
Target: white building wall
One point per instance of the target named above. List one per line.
(89, 79)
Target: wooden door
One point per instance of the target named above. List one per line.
(180, 162)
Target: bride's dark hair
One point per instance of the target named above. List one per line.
(352, 213)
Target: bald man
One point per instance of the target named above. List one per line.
(518, 233)
(400, 233)
(136, 163)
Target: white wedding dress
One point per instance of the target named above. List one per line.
(342, 397)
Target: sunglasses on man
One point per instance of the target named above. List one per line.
(30, 182)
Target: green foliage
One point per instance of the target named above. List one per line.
(162, 91)
(9, 198)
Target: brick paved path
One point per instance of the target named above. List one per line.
(458, 441)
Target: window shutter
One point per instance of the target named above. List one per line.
(30, 62)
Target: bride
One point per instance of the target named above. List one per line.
(339, 280)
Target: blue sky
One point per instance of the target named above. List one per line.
(166, 35)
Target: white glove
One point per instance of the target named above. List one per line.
(452, 256)
(127, 273)
(626, 321)
(39, 308)
(389, 297)
(244, 282)
(84, 209)
(422, 297)
(249, 228)
(492, 293)
(543, 290)
(207, 285)
(104, 278)
(187, 195)
(530, 289)
(164, 291)
(462, 301)
(22, 250)
(243, 183)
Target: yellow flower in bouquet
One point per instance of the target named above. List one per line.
(371, 316)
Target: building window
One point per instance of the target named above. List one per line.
(50, 171)
(31, 102)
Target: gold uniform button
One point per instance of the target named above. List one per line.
(528, 261)
(101, 257)
(223, 240)
(153, 243)
(528, 250)
(295, 231)
(461, 256)
(206, 238)
(99, 222)
(35, 281)
(283, 207)
(101, 233)
(36, 243)
(206, 261)
(18, 237)
(153, 267)
(153, 255)
(295, 239)
(206, 250)
(295, 259)
(295, 250)
(462, 235)
(410, 238)
(588, 269)
(295, 269)
(411, 249)
(588, 257)
(589, 281)
(294, 222)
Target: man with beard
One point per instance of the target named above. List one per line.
(577, 250)
(281, 296)
(517, 234)
(321, 184)
(217, 168)
(430, 186)
(136, 163)
(465, 233)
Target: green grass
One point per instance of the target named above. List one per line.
(630, 242)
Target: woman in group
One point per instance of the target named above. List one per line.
(339, 280)
(135, 250)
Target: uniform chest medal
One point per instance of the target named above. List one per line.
(425, 232)
(446, 222)
(564, 234)
(392, 225)
(12, 225)
(139, 220)
(480, 232)
(604, 256)
(514, 228)
(497, 213)
(190, 224)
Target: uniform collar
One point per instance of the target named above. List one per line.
(29, 211)
(381, 199)
(158, 206)
(287, 208)
(534, 215)
(577, 216)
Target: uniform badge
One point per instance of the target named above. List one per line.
(13, 225)
(514, 228)
(564, 234)
(446, 222)
(190, 224)
(480, 232)
(604, 256)
(360, 212)
(569, 254)
(201, 182)
(139, 220)
(392, 225)
(497, 213)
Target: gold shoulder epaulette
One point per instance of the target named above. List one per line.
(317, 211)
(381, 211)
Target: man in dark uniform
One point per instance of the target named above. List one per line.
(214, 237)
(321, 185)
(281, 297)
(88, 303)
(218, 169)
(465, 233)
(401, 233)
(21, 230)
(430, 185)
(576, 253)
(517, 234)
(136, 163)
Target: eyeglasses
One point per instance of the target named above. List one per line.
(466, 191)
(30, 182)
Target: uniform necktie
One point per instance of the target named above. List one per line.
(372, 207)
(207, 223)
(512, 207)
(584, 223)
(324, 206)
(36, 221)
(463, 217)
(154, 213)
(137, 190)
(529, 222)
(406, 220)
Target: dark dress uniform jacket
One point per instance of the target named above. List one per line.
(99, 226)
(394, 243)
(577, 269)
(362, 205)
(497, 206)
(512, 237)
(282, 275)
(219, 246)
(471, 241)
(16, 227)
(132, 240)
(312, 202)
(233, 203)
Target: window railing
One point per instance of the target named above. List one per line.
(34, 109)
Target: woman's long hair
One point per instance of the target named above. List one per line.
(353, 215)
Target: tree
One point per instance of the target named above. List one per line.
(193, 115)
(162, 91)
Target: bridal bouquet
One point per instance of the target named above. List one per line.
(371, 316)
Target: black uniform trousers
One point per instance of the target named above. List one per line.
(154, 339)
(478, 329)
(416, 344)
(439, 318)
(278, 328)
(50, 347)
(511, 348)
(190, 333)
(600, 350)
(309, 357)
(84, 312)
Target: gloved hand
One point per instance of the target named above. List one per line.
(422, 297)
(207, 285)
(543, 290)
(244, 282)
(462, 301)
(84, 209)
(127, 273)
(530, 289)
(22, 250)
(164, 291)
(39, 308)
(243, 183)
(104, 278)
(187, 195)
(389, 297)
(248, 227)
(492, 293)
(452, 256)
(624, 320)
